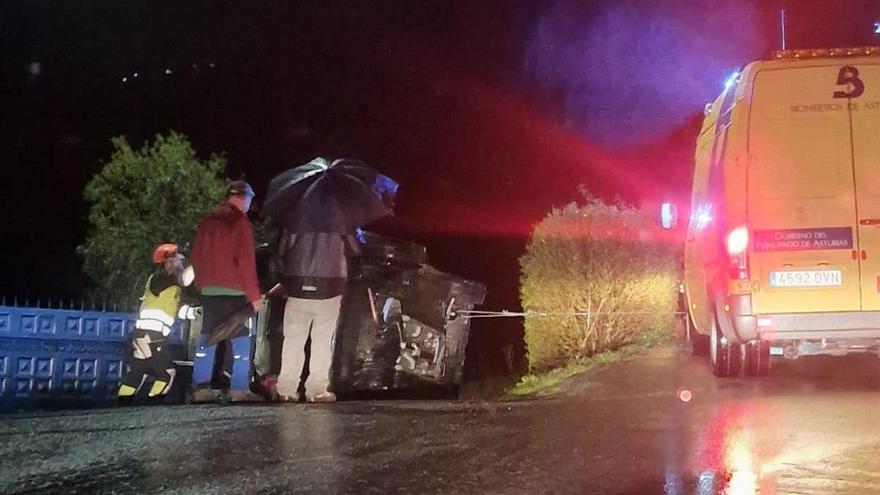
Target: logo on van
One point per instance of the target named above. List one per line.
(803, 239)
(849, 76)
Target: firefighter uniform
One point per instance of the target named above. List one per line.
(148, 352)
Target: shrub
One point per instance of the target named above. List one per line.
(139, 199)
(608, 260)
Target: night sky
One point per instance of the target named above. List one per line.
(487, 112)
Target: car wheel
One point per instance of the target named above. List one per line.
(726, 357)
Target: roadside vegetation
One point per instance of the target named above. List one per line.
(550, 382)
(597, 278)
(140, 198)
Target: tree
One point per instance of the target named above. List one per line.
(139, 199)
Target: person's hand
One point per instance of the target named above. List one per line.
(256, 305)
(187, 276)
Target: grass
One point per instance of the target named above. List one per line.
(547, 383)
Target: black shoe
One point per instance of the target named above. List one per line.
(155, 401)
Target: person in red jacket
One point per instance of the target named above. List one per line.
(226, 276)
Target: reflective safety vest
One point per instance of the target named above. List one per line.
(157, 312)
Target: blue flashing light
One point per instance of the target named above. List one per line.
(384, 185)
(877, 27)
(730, 81)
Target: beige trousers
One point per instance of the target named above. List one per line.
(302, 317)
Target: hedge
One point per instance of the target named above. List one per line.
(608, 260)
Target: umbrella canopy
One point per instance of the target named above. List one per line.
(332, 197)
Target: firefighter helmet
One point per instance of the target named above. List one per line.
(163, 251)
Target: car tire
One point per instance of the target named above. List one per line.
(757, 357)
(726, 358)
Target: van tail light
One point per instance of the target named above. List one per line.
(738, 241)
(737, 248)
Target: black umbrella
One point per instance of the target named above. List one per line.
(332, 197)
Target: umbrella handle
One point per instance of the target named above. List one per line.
(274, 290)
(373, 311)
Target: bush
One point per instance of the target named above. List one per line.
(608, 260)
(139, 199)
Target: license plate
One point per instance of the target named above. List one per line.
(806, 278)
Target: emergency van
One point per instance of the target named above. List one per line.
(782, 252)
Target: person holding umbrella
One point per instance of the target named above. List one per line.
(319, 207)
(314, 272)
(226, 276)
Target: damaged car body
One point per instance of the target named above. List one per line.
(399, 326)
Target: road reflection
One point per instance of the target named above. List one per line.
(793, 431)
(731, 457)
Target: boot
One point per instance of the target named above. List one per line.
(204, 396)
(323, 398)
(245, 396)
(155, 400)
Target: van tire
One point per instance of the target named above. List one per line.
(696, 344)
(757, 358)
(699, 343)
(726, 358)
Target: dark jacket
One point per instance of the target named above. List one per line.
(223, 252)
(314, 265)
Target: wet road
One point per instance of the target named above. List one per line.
(812, 427)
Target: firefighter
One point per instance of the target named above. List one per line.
(148, 352)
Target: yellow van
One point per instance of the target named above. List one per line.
(782, 254)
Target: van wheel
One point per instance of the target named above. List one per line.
(726, 357)
(700, 344)
(757, 358)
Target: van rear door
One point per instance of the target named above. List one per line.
(862, 85)
(801, 200)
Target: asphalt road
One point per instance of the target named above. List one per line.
(811, 427)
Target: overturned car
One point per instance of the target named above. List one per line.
(399, 326)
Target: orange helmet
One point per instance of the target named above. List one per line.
(164, 251)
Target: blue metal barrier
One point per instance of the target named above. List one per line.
(65, 358)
